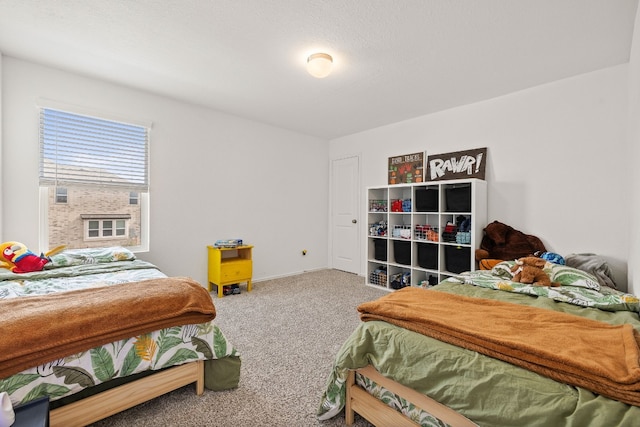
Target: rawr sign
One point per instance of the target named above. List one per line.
(457, 165)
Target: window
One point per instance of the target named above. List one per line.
(121, 228)
(93, 229)
(94, 180)
(61, 195)
(103, 227)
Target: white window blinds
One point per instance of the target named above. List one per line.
(77, 149)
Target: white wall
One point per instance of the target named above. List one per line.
(634, 154)
(1, 179)
(556, 167)
(556, 160)
(213, 175)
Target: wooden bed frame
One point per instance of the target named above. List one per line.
(112, 401)
(380, 414)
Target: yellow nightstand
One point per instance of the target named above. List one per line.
(228, 266)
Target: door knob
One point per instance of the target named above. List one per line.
(354, 221)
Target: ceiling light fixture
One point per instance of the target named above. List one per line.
(319, 65)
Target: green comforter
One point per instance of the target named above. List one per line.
(486, 390)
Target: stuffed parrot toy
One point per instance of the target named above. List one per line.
(16, 257)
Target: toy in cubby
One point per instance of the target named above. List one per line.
(460, 232)
(449, 233)
(426, 232)
(402, 231)
(400, 280)
(378, 229)
(427, 283)
(377, 206)
(401, 205)
(463, 236)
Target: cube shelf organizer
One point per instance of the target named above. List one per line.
(429, 233)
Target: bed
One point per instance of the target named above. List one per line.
(467, 352)
(99, 331)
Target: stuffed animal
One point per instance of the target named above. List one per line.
(531, 270)
(502, 242)
(17, 258)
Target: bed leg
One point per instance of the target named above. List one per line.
(200, 374)
(348, 411)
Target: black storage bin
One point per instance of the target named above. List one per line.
(458, 198)
(380, 249)
(426, 200)
(402, 252)
(457, 258)
(428, 255)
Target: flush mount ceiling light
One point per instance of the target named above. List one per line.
(319, 65)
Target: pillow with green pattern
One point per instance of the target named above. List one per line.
(569, 276)
(83, 256)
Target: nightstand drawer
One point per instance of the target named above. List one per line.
(232, 270)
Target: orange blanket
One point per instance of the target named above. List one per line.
(594, 355)
(40, 329)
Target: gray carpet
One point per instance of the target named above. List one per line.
(288, 331)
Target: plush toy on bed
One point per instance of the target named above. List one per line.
(502, 242)
(530, 270)
(551, 257)
(17, 258)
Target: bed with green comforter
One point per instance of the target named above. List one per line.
(488, 391)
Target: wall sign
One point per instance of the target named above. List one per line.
(457, 165)
(406, 169)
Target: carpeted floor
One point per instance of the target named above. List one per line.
(288, 331)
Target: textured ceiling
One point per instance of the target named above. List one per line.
(394, 59)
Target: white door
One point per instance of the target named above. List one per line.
(345, 218)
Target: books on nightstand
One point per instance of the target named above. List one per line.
(228, 243)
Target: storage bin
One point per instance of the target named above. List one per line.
(420, 231)
(377, 206)
(428, 256)
(401, 231)
(458, 198)
(463, 237)
(402, 252)
(426, 200)
(380, 249)
(457, 258)
(378, 277)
